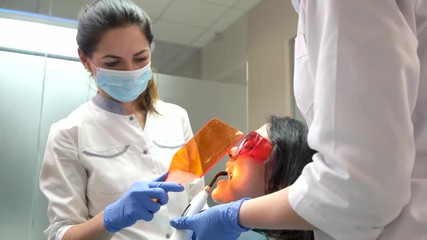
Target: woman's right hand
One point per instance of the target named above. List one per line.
(139, 203)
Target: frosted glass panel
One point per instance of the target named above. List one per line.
(21, 79)
(24, 133)
(204, 100)
(67, 85)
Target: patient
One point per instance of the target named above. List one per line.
(266, 161)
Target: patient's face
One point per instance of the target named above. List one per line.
(246, 172)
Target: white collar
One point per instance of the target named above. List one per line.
(296, 4)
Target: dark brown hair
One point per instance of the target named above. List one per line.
(103, 15)
(289, 156)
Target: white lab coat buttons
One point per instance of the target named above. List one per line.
(168, 235)
(131, 118)
(145, 151)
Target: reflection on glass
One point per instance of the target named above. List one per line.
(203, 151)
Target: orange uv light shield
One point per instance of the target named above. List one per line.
(203, 151)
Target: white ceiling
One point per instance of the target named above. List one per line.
(188, 25)
(193, 22)
(181, 27)
(186, 22)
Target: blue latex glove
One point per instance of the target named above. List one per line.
(218, 222)
(139, 203)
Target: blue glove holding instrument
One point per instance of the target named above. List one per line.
(218, 222)
(140, 202)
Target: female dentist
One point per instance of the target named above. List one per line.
(102, 163)
(361, 83)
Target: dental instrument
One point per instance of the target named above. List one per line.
(195, 206)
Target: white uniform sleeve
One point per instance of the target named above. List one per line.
(363, 70)
(63, 182)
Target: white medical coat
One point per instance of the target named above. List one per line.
(361, 83)
(94, 155)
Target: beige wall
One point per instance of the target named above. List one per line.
(224, 59)
(260, 40)
(271, 25)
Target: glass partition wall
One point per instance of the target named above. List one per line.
(43, 81)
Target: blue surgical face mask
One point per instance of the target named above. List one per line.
(124, 86)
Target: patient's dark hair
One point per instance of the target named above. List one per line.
(289, 156)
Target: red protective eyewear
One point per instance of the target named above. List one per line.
(255, 146)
